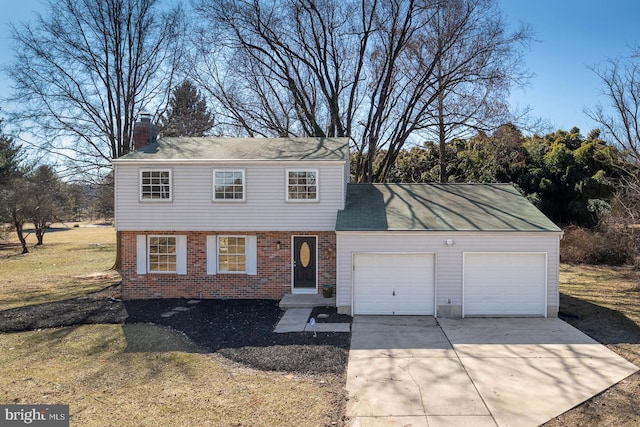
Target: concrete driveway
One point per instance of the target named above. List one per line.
(416, 371)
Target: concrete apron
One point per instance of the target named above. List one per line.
(410, 371)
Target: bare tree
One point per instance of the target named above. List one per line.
(277, 68)
(477, 64)
(620, 120)
(45, 200)
(104, 198)
(83, 71)
(369, 70)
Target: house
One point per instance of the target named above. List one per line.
(260, 218)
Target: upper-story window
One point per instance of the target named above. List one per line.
(228, 185)
(155, 185)
(302, 185)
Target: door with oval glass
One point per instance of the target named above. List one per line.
(304, 264)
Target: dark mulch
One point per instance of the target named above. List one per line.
(329, 315)
(80, 311)
(241, 330)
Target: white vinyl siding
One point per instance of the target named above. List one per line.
(146, 256)
(155, 185)
(449, 259)
(265, 207)
(250, 255)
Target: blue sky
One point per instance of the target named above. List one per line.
(571, 35)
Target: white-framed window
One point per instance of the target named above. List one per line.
(302, 185)
(232, 254)
(229, 185)
(155, 185)
(161, 254)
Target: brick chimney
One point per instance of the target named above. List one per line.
(144, 132)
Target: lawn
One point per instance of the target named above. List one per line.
(72, 262)
(604, 302)
(134, 374)
(93, 369)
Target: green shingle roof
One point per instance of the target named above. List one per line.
(243, 149)
(439, 207)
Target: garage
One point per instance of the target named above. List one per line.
(446, 250)
(504, 284)
(394, 284)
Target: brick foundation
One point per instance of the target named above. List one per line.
(272, 281)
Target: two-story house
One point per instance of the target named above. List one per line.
(260, 218)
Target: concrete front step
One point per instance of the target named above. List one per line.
(306, 301)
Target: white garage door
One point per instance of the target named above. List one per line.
(400, 284)
(504, 284)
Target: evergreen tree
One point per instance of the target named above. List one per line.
(9, 158)
(12, 186)
(187, 114)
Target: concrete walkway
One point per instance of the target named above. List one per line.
(412, 371)
(297, 320)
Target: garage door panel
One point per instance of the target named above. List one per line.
(504, 284)
(400, 284)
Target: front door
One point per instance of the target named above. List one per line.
(304, 264)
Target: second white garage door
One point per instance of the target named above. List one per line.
(394, 284)
(504, 284)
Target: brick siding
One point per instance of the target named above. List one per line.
(272, 281)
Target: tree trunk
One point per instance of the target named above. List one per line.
(39, 235)
(23, 241)
(442, 139)
(117, 265)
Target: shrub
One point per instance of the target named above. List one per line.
(582, 246)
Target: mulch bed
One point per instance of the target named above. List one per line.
(241, 330)
(329, 315)
(79, 311)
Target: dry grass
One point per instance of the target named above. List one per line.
(134, 375)
(604, 302)
(614, 288)
(71, 263)
(95, 371)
